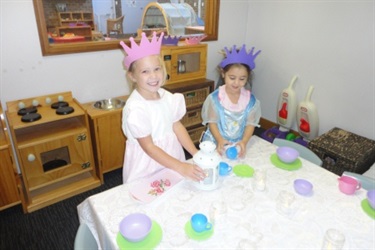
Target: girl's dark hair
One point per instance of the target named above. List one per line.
(224, 70)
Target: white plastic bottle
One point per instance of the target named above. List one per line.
(286, 108)
(307, 117)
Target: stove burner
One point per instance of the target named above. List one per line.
(31, 117)
(64, 110)
(26, 111)
(57, 105)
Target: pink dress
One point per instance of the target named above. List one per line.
(141, 118)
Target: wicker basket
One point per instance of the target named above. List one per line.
(196, 97)
(342, 151)
(192, 117)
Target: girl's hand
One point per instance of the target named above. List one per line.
(191, 171)
(242, 146)
(221, 144)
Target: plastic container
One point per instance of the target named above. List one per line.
(287, 104)
(307, 117)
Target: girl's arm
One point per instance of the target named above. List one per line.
(221, 142)
(184, 138)
(156, 153)
(249, 130)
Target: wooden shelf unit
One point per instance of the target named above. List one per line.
(54, 153)
(67, 18)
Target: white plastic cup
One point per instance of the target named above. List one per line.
(333, 240)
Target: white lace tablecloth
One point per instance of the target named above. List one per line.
(246, 213)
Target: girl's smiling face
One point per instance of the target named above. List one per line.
(235, 78)
(149, 75)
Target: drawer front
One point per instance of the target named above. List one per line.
(47, 162)
(196, 97)
(192, 117)
(196, 134)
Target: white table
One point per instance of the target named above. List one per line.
(259, 221)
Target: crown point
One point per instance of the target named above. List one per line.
(239, 56)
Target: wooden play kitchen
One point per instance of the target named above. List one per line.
(53, 147)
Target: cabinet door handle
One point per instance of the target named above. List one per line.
(81, 137)
(31, 157)
(85, 165)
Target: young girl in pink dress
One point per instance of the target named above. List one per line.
(151, 117)
(231, 112)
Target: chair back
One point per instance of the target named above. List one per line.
(115, 25)
(84, 239)
(303, 151)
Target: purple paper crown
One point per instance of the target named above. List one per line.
(145, 48)
(240, 56)
(195, 39)
(169, 40)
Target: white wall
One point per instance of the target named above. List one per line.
(329, 45)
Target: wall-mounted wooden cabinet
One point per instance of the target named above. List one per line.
(9, 195)
(185, 63)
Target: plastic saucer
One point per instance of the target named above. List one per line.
(286, 166)
(367, 208)
(150, 242)
(195, 235)
(243, 170)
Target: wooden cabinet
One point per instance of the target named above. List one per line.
(8, 175)
(185, 63)
(108, 138)
(195, 93)
(54, 152)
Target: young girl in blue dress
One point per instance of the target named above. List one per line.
(232, 112)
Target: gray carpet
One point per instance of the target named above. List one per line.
(52, 227)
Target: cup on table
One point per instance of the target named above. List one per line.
(260, 177)
(284, 203)
(199, 223)
(333, 239)
(224, 168)
(348, 185)
(217, 209)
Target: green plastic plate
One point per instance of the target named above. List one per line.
(243, 170)
(151, 241)
(286, 166)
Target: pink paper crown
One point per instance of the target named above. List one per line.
(239, 56)
(169, 40)
(195, 39)
(145, 48)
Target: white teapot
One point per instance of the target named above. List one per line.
(208, 159)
